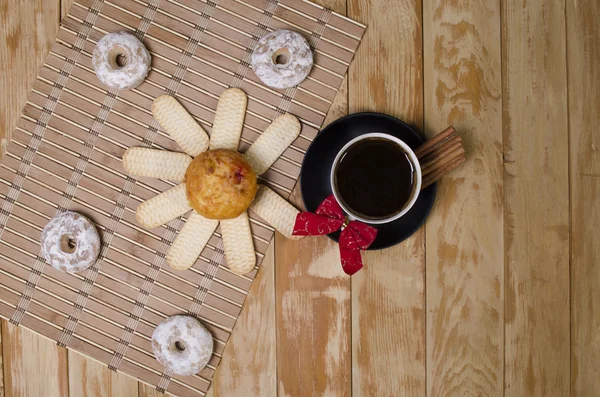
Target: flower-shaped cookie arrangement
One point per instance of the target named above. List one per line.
(217, 183)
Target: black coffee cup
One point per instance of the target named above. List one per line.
(402, 195)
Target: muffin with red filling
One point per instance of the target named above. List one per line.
(220, 184)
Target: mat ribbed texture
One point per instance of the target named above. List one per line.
(66, 154)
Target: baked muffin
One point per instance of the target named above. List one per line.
(220, 184)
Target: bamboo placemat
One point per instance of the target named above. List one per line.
(66, 151)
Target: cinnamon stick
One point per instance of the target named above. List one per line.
(443, 161)
(434, 176)
(428, 146)
(440, 153)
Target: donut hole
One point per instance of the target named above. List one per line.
(117, 58)
(121, 60)
(68, 244)
(180, 346)
(281, 56)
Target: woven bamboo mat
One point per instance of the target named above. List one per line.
(66, 151)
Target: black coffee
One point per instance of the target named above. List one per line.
(374, 178)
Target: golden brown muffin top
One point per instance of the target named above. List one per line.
(220, 184)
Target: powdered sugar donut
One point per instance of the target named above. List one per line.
(70, 242)
(121, 61)
(182, 344)
(282, 59)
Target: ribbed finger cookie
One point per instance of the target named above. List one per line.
(190, 241)
(229, 120)
(162, 208)
(153, 163)
(238, 244)
(273, 142)
(276, 211)
(180, 125)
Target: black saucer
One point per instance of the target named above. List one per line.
(314, 177)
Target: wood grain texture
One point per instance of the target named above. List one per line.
(583, 55)
(536, 199)
(313, 319)
(311, 285)
(388, 303)
(33, 365)
(1, 365)
(464, 232)
(248, 366)
(28, 29)
(88, 378)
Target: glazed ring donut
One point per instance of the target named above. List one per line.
(282, 59)
(121, 61)
(70, 242)
(182, 345)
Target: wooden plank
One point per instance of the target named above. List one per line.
(1, 365)
(89, 378)
(248, 366)
(465, 352)
(388, 305)
(536, 197)
(583, 38)
(313, 311)
(310, 284)
(313, 319)
(28, 28)
(33, 366)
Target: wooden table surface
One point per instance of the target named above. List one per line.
(498, 294)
